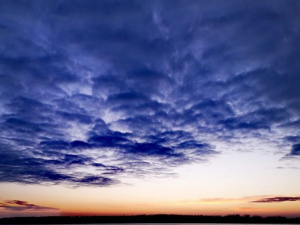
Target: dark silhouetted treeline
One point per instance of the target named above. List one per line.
(150, 219)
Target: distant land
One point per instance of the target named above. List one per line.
(151, 219)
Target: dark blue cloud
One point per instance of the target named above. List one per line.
(151, 149)
(295, 150)
(17, 167)
(140, 87)
(108, 141)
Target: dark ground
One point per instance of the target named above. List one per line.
(149, 219)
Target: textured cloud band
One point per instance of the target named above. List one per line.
(92, 91)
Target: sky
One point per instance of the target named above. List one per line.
(145, 107)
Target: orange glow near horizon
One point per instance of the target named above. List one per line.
(269, 209)
(222, 208)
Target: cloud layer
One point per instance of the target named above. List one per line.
(17, 205)
(92, 91)
(278, 199)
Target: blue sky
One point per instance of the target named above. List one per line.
(93, 93)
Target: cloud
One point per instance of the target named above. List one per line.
(17, 205)
(295, 150)
(277, 199)
(141, 87)
(246, 199)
